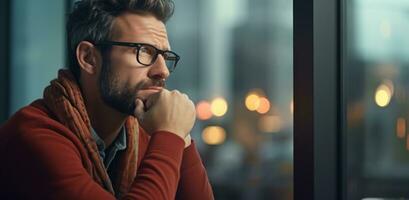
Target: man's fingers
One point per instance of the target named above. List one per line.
(152, 100)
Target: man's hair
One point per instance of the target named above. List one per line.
(92, 20)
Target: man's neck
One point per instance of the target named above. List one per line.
(106, 121)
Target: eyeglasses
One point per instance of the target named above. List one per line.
(146, 54)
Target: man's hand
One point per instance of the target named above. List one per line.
(166, 110)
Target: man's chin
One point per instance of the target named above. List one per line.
(124, 110)
(120, 106)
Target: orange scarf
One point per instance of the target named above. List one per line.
(63, 97)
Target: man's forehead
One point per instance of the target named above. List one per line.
(137, 27)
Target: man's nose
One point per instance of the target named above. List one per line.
(159, 70)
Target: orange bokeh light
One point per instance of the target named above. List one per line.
(264, 106)
(401, 128)
(203, 110)
(214, 135)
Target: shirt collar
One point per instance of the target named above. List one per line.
(119, 142)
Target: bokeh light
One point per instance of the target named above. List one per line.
(401, 128)
(203, 110)
(264, 105)
(219, 107)
(214, 135)
(292, 106)
(252, 101)
(383, 95)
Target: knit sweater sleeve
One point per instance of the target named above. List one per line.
(159, 171)
(193, 183)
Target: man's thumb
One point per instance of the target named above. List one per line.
(139, 109)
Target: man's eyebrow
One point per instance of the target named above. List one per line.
(168, 48)
(158, 46)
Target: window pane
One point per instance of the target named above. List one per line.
(236, 64)
(375, 67)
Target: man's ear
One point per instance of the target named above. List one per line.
(87, 56)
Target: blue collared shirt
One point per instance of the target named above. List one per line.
(109, 154)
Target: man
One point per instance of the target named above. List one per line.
(107, 128)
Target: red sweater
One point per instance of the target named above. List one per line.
(41, 159)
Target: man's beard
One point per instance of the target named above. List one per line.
(121, 99)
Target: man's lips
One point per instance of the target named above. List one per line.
(157, 88)
(144, 93)
(147, 91)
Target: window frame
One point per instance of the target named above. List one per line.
(317, 100)
(5, 61)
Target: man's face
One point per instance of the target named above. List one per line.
(122, 79)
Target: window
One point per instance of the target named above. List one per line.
(375, 68)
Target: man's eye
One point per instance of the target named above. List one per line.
(147, 50)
